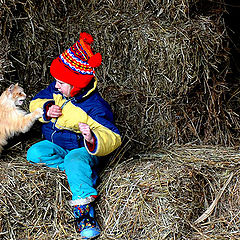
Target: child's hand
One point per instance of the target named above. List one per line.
(54, 111)
(86, 132)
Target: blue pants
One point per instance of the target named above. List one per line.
(77, 164)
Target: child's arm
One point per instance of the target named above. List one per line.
(88, 136)
(105, 134)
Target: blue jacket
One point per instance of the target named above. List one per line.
(86, 107)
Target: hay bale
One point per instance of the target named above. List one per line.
(160, 195)
(170, 90)
(150, 196)
(164, 63)
(33, 201)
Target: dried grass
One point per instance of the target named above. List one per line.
(150, 196)
(165, 73)
(164, 70)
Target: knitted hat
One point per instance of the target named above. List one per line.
(76, 65)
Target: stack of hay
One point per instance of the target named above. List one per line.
(164, 62)
(149, 196)
(183, 193)
(164, 72)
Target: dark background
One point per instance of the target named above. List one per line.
(233, 26)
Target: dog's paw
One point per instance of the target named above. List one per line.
(38, 112)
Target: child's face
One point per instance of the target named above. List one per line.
(63, 87)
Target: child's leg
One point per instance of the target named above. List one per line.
(78, 165)
(48, 153)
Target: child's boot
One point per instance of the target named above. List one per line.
(85, 223)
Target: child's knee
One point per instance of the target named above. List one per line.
(77, 158)
(35, 152)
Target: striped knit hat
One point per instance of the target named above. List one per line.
(76, 65)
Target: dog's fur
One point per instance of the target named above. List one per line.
(13, 120)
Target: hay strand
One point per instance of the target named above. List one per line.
(207, 213)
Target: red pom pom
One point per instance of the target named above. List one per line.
(95, 60)
(86, 37)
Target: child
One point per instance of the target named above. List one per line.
(78, 128)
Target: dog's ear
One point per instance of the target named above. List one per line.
(10, 89)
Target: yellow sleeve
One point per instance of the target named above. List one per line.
(106, 140)
(40, 103)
